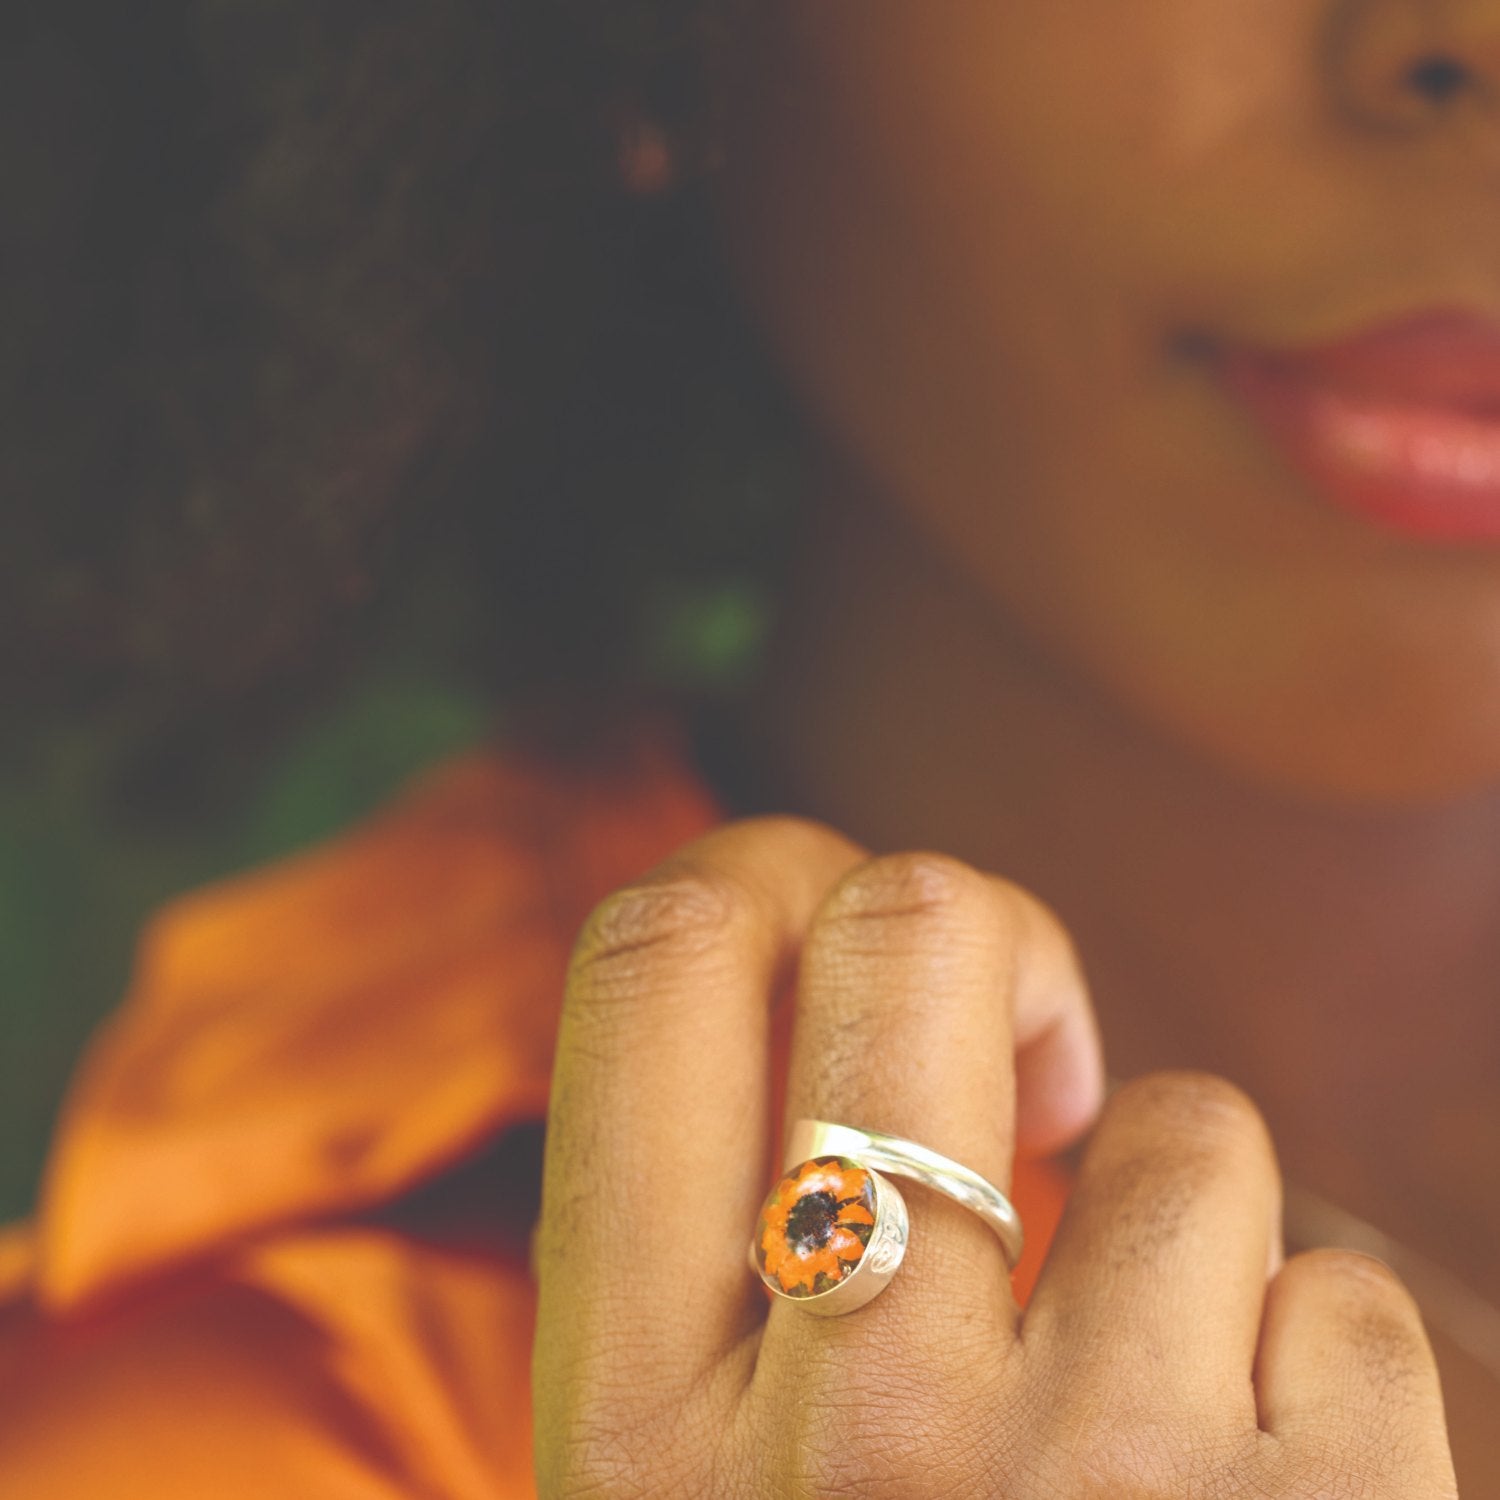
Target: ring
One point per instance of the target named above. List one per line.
(832, 1233)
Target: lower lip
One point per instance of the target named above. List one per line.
(1427, 471)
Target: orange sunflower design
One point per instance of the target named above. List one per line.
(815, 1226)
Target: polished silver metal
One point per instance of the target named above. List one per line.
(899, 1158)
(881, 1260)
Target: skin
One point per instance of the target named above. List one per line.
(1062, 613)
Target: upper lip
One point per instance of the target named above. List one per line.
(1442, 357)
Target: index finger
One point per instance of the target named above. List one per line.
(658, 1127)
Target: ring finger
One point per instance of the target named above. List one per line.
(924, 985)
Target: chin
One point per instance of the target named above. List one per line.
(1361, 761)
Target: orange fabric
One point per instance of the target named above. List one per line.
(245, 1278)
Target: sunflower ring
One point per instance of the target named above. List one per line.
(833, 1231)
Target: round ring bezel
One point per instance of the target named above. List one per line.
(872, 1273)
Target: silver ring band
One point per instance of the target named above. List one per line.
(887, 1153)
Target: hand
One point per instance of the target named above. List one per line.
(1166, 1351)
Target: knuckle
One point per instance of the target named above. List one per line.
(1200, 1108)
(661, 921)
(1170, 1151)
(792, 828)
(1380, 1307)
(1355, 1272)
(927, 888)
(1378, 1372)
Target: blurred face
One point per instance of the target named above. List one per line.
(1169, 323)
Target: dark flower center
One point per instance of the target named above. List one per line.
(809, 1226)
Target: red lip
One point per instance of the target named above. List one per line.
(1399, 424)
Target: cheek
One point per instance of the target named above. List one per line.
(972, 231)
(968, 228)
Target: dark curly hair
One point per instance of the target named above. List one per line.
(333, 313)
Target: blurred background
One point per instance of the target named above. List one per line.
(304, 309)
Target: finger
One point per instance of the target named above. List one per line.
(1152, 1292)
(919, 980)
(1343, 1350)
(656, 1152)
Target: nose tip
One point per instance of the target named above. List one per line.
(1402, 63)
